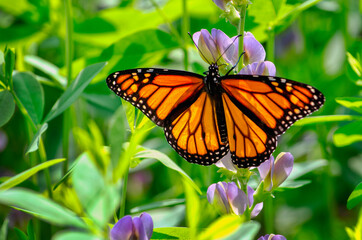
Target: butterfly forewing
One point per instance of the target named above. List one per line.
(156, 92)
(271, 102)
(194, 134)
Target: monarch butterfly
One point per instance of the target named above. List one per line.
(205, 117)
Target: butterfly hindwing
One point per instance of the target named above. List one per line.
(271, 102)
(194, 134)
(156, 92)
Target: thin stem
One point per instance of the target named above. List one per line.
(185, 30)
(43, 158)
(122, 208)
(268, 215)
(241, 32)
(68, 63)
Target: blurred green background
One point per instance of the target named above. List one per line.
(312, 39)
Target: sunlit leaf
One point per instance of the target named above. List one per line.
(165, 160)
(353, 103)
(193, 210)
(40, 207)
(34, 144)
(74, 90)
(326, 119)
(355, 197)
(46, 67)
(221, 227)
(31, 95)
(21, 177)
(348, 134)
(73, 235)
(247, 231)
(180, 233)
(7, 106)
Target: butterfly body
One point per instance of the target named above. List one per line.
(205, 117)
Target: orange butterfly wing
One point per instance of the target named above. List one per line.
(194, 134)
(156, 92)
(258, 109)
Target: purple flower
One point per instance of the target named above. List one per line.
(258, 207)
(221, 3)
(272, 237)
(274, 173)
(227, 198)
(259, 68)
(138, 228)
(226, 163)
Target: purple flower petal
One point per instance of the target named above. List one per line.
(147, 224)
(237, 199)
(220, 3)
(254, 51)
(226, 163)
(265, 167)
(257, 209)
(139, 229)
(270, 69)
(264, 237)
(225, 45)
(250, 196)
(278, 237)
(216, 195)
(283, 168)
(123, 229)
(207, 47)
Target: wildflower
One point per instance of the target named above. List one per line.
(227, 198)
(274, 173)
(222, 3)
(258, 207)
(138, 228)
(272, 237)
(259, 68)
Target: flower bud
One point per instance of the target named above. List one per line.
(138, 228)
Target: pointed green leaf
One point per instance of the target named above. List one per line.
(73, 235)
(30, 231)
(180, 233)
(74, 90)
(39, 206)
(34, 145)
(7, 106)
(21, 177)
(355, 197)
(20, 234)
(326, 119)
(348, 134)
(46, 67)
(165, 160)
(4, 229)
(353, 103)
(31, 95)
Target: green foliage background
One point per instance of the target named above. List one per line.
(56, 110)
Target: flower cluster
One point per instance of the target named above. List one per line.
(218, 48)
(137, 228)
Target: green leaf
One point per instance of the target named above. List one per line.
(41, 207)
(300, 169)
(4, 229)
(34, 145)
(21, 177)
(292, 184)
(130, 114)
(165, 160)
(30, 231)
(31, 95)
(247, 231)
(117, 134)
(66, 176)
(221, 227)
(193, 210)
(74, 90)
(277, 4)
(9, 57)
(100, 200)
(325, 119)
(46, 67)
(7, 107)
(348, 134)
(355, 197)
(160, 204)
(353, 103)
(355, 64)
(180, 233)
(20, 234)
(73, 235)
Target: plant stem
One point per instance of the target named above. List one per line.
(68, 63)
(241, 32)
(185, 30)
(122, 208)
(268, 215)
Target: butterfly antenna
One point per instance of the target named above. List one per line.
(198, 48)
(229, 47)
(235, 63)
